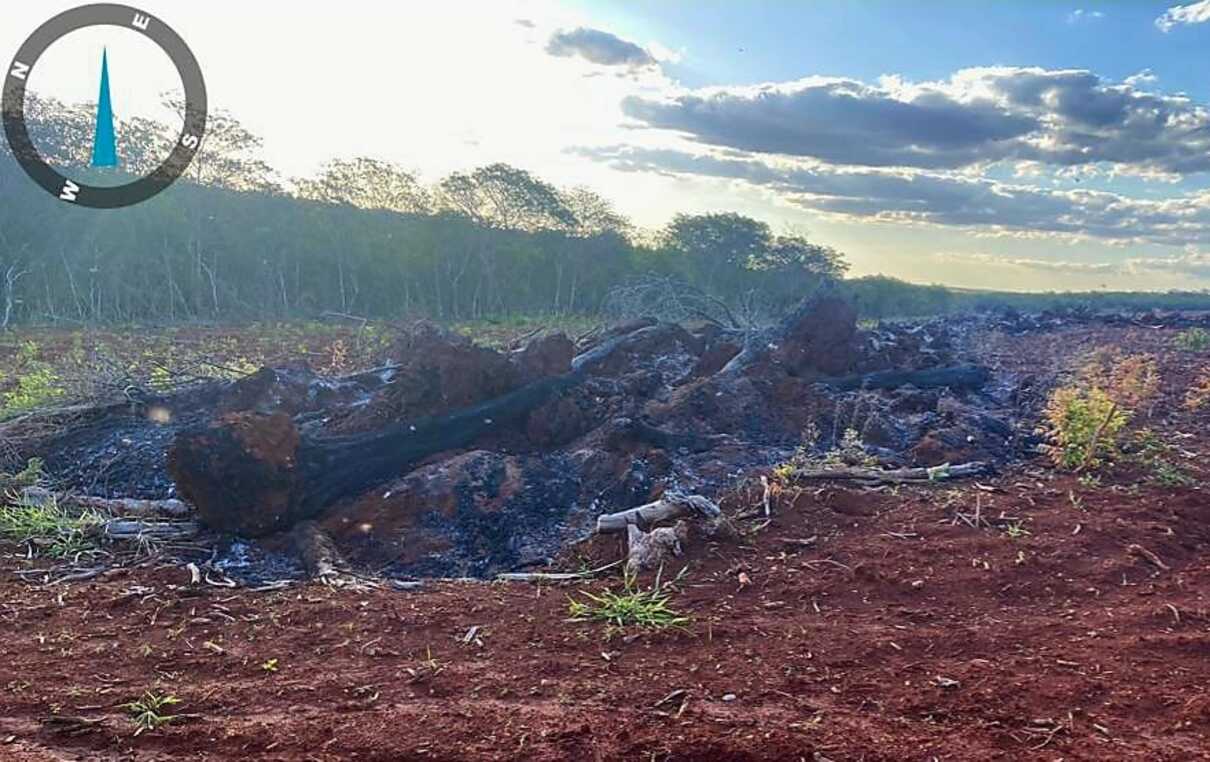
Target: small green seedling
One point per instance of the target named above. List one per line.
(148, 712)
(1015, 530)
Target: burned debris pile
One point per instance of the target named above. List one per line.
(459, 460)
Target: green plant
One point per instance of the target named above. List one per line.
(37, 384)
(1085, 419)
(1016, 530)
(147, 712)
(1193, 340)
(632, 606)
(48, 528)
(849, 450)
(1090, 481)
(269, 665)
(1151, 452)
(30, 476)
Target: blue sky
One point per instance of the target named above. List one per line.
(1018, 145)
(925, 40)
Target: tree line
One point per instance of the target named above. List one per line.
(233, 240)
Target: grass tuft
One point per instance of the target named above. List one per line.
(49, 529)
(632, 606)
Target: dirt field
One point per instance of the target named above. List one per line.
(875, 624)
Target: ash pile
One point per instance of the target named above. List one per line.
(460, 460)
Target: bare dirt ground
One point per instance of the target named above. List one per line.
(873, 624)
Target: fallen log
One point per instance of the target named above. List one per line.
(649, 545)
(668, 508)
(894, 475)
(255, 474)
(957, 377)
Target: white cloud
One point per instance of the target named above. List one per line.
(1027, 263)
(1062, 118)
(1193, 13)
(1192, 263)
(939, 199)
(1079, 14)
(1144, 77)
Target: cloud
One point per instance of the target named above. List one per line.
(979, 116)
(598, 47)
(1193, 264)
(940, 199)
(1144, 77)
(1025, 263)
(1080, 14)
(1193, 13)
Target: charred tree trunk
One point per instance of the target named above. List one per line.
(957, 377)
(256, 474)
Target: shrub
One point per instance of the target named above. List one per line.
(1192, 340)
(1085, 419)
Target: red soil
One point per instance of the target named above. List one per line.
(857, 625)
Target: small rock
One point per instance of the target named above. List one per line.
(728, 697)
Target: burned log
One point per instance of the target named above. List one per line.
(255, 474)
(958, 377)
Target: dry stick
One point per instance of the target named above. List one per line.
(1096, 435)
(555, 576)
(132, 529)
(894, 476)
(1135, 549)
(764, 480)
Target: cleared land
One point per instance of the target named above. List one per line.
(1033, 614)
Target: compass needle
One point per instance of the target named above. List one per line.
(104, 144)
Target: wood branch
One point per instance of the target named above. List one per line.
(554, 576)
(671, 506)
(127, 506)
(133, 530)
(956, 377)
(893, 476)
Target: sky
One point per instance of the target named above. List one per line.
(1013, 145)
